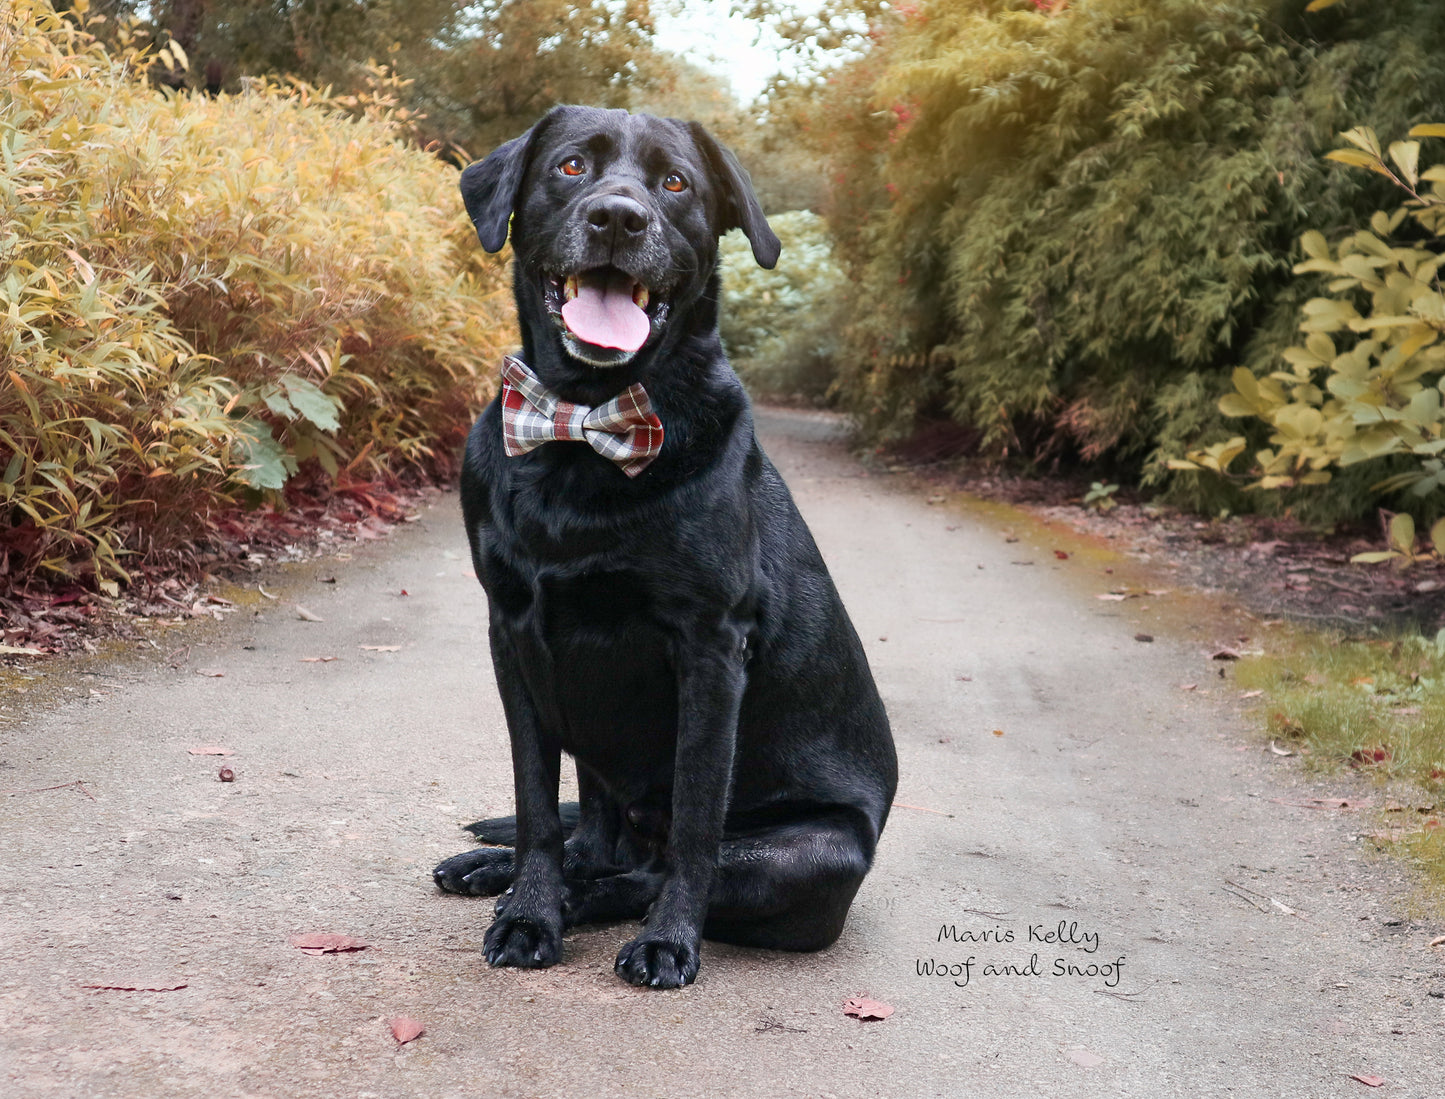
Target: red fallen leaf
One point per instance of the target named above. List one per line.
(132, 988)
(1061, 555)
(405, 1029)
(1371, 755)
(211, 750)
(405, 592)
(1368, 1081)
(226, 775)
(214, 673)
(861, 1007)
(323, 942)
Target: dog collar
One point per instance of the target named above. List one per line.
(624, 430)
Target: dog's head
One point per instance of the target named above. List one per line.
(614, 220)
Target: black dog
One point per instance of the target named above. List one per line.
(661, 614)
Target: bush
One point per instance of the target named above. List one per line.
(1366, 385)
(1064, 225)
(197, 296)
(778, 326)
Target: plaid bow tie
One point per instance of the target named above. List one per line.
(625, 429)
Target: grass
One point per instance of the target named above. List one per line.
(1374, 707)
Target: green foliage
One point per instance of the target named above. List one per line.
(1367, 383)
(777, 325)
(1067, 227)
(197, 296)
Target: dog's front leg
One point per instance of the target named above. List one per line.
(710, 689)
(528, 932)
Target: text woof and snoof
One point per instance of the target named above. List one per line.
(1067, 934)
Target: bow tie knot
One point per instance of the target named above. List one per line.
(624, 429)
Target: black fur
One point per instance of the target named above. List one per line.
(677, 633)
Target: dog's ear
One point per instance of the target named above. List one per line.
(490, 187)
(741, 207)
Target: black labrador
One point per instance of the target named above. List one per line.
(660, 614)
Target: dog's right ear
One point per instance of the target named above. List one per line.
(490, 187)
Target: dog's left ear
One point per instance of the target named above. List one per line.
(490, 187)
(741, 207)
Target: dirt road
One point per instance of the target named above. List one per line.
(1057, 784)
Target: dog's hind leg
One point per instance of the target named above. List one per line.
(788, 886)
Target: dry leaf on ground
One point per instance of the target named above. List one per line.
(307, 615)
(322, 942)
(1368, 1081)
(405, 1029)
(211, 750)
(213, 673)
(318, 659)
(382, 648)
(861, 1007)
(135, 988)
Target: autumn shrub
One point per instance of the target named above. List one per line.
(1065, 225)
(778, 326)
(1364, 386)
(198, 296)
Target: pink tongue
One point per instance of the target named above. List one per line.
(606, 316)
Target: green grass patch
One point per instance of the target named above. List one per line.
(1376, 708)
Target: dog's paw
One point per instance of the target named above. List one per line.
(524, 942)
(657, 962)
(484, 872)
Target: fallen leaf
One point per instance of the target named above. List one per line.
(1440, 941)
(861, 1007)
(1224, 654)
(1112, 597)
(19, 650)
(306, 615)
(1368, 1081)
(318, 659)
(211, 750)
(322, 942)
(1061, 555)
(998, 732)
(1286, 909)
(405, 592)
(1083, 1057)
(226, 775)
(382, 648)
(1144, 637)
(1189, 686)
(1250, 694)
(214, 673)
(133, 988)
(405, 1029)
(1279, 751)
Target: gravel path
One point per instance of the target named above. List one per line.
(1055, 782)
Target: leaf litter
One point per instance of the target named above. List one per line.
(325, 942)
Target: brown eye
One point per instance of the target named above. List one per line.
(572, 166)
(674, 182)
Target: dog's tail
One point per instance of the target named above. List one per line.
(503, 830)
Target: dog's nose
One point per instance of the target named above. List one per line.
(617, 216)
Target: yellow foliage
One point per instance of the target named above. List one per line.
(1379, 394)
(198, 294)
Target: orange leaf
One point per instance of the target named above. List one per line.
(405, 1029)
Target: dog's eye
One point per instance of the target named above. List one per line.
(572, 166)
(674, 182)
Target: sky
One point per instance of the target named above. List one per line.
(702, 31)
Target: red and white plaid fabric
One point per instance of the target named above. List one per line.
(625, 429)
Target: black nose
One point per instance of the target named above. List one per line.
(618, 217)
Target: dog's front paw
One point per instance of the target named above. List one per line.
(658, 962)
(524, 941)
(484, 872)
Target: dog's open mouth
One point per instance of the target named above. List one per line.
(604, 307)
